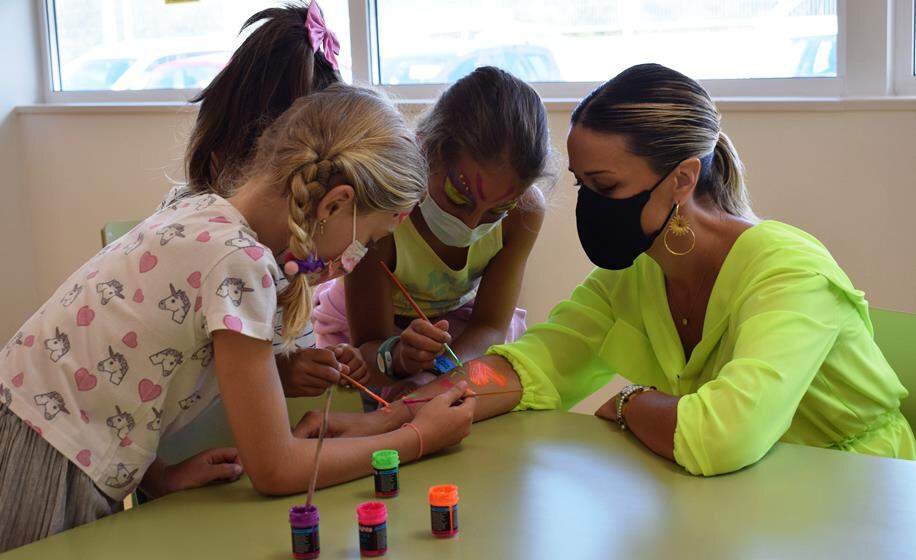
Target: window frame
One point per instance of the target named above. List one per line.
(878, 26)
(904, 47)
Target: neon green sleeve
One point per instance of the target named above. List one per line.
(785, 329)
(557, 361)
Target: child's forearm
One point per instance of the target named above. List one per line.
(342, 460)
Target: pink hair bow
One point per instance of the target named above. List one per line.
(323, 39)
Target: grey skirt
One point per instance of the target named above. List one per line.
(41, 491)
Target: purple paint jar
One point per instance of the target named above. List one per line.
(304, 523)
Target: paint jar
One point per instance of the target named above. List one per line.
(373, 528)
(385, 463)
(304, 523)
(443, 509)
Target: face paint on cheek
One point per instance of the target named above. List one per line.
(480, 194)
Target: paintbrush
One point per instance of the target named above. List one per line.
(366, 390)
(427, 399)
(417, 309)
(321, 433)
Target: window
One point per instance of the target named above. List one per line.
(592, 40)
(149, 50)
(121, 45)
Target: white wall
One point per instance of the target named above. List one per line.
(848, 177)
(20, 86)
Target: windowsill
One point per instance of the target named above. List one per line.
(726, 104)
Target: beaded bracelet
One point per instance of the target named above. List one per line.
(624, 396)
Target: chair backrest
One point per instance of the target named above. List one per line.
(895, 333)
(211, 428)
(114, 230)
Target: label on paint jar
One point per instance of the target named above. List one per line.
(305, 541)
(444, 519)
(373, 537)
(386, 482)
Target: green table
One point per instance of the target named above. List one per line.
(549, 485)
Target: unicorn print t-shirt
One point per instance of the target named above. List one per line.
(122, 352)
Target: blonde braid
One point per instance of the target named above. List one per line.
(341, 135)
(309, 185)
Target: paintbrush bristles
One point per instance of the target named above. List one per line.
(321, 433)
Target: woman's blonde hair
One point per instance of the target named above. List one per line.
(666, 118)
(340, 135)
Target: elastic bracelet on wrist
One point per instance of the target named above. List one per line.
(419, 436)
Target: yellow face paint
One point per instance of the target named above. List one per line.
(453, 194)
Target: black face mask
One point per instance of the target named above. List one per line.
(610, 229)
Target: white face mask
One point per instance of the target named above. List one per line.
(449, 229)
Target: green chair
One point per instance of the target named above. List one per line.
(114, 230)
(211, 428)
(895, 333)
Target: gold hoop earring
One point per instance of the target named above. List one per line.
(679, 227)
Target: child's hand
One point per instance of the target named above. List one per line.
(442, 424)
(353, 360)
(213, 466)
(420, 344)
(310, 371)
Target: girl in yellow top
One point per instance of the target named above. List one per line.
(462, 252)
(741, 333)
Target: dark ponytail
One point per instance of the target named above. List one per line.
(273, 67)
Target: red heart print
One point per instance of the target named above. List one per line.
(85, 381)
(220, 220)
(203, 237)
(232, 323)
(126, 441)
(29, 341)
(254, 252)
(138, 296)
(267, 281)
(148, 390)
(85, 416)
(84, 457)
(130, 339)
(17, 381)
(194, 280)
(148, 262)
(198, 303)
(85, 316)
(92, 275)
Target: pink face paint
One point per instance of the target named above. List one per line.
(373, 528)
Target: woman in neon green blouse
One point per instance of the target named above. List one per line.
(747, 332)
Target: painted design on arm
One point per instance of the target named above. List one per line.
(481, 374)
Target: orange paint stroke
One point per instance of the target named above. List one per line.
(482, 374)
